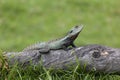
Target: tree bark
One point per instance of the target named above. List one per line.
(97, 57)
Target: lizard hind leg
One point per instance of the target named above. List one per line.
(44, 50)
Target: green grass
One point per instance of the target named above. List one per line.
(24, 22)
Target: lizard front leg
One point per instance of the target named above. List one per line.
(66, 47)
(73, 45)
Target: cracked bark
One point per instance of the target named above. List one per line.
(97, 57)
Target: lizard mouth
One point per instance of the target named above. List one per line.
(74, 37)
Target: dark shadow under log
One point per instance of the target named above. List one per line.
(97, 57)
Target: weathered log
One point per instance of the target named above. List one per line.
(97, 57)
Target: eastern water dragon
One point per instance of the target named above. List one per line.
(62, 43)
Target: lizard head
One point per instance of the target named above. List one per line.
(74, 32)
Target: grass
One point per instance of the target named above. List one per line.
(25, 22)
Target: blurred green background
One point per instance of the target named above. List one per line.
(25, 22)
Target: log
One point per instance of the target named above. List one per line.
(97, 57)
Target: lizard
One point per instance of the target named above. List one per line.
(62, 43)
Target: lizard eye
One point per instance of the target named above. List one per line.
(71, 31)
(76, 26)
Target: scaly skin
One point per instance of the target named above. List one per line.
(62, 43)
